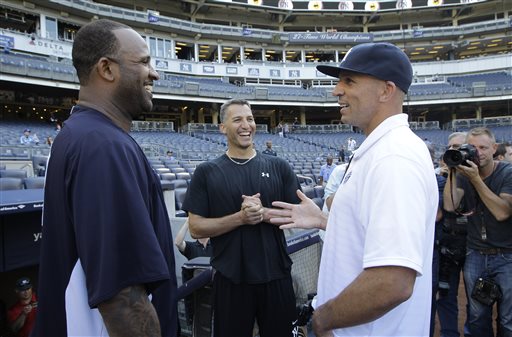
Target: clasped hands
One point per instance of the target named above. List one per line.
(252, 209)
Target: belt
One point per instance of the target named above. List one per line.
(495, 251)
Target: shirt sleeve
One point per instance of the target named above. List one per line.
(397, 213)
(196, 200)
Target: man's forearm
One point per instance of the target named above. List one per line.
(130, 313)
(201, 227)
(451, 194)
(498, 207)
(18, 323)
(371, 295)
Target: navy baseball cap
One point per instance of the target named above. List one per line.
(23, 284)
(382, 60)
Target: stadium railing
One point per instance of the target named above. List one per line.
(304, 248)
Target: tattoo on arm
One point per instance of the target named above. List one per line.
(130, 313)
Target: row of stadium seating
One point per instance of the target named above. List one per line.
(204, 146)
(36, 67)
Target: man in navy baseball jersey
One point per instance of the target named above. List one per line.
(107, 267)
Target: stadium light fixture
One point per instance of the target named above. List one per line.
(434, 3)
(372, 6)
(315, 5)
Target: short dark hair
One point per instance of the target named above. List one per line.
(235, 101)
(92, 42)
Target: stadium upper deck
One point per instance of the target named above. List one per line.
(260, 47)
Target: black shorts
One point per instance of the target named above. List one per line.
(237, 306)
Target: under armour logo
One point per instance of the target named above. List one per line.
(263, 174)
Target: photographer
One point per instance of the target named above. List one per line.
(485, 188)
(452, 252)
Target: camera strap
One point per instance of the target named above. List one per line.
(453, 179)
(481, 206)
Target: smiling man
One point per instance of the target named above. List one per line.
(107, 267)
(375, 275)
(227, 200)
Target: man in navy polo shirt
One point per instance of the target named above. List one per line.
(107, 267)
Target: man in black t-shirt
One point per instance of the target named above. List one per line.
(484, 187)
(227, 201)
(192, 249)
(269, 150)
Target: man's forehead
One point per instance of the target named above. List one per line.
(457, 140)
(238, 110)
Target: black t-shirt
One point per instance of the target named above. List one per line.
(250, 253)
(269, 152)
(499, 233)
(195, 249)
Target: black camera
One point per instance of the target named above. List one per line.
(450, 260)
(454, 157)
(486, 291)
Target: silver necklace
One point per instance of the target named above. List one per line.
(241, 163)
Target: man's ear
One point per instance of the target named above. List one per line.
(106, 69)
(495, 148)
(388, 91)
(222, 128)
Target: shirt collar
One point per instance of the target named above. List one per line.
(382, 129)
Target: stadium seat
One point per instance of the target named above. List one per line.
(177, 169)
(34, 182)
(309, 191)
(319, 191)
(168, 176)
(10, 183)
(183, 175)
(177, 183)
(179, 194)
(13, 173)
(161, 170)
(39, 165)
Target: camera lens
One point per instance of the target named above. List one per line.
(453, 158)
